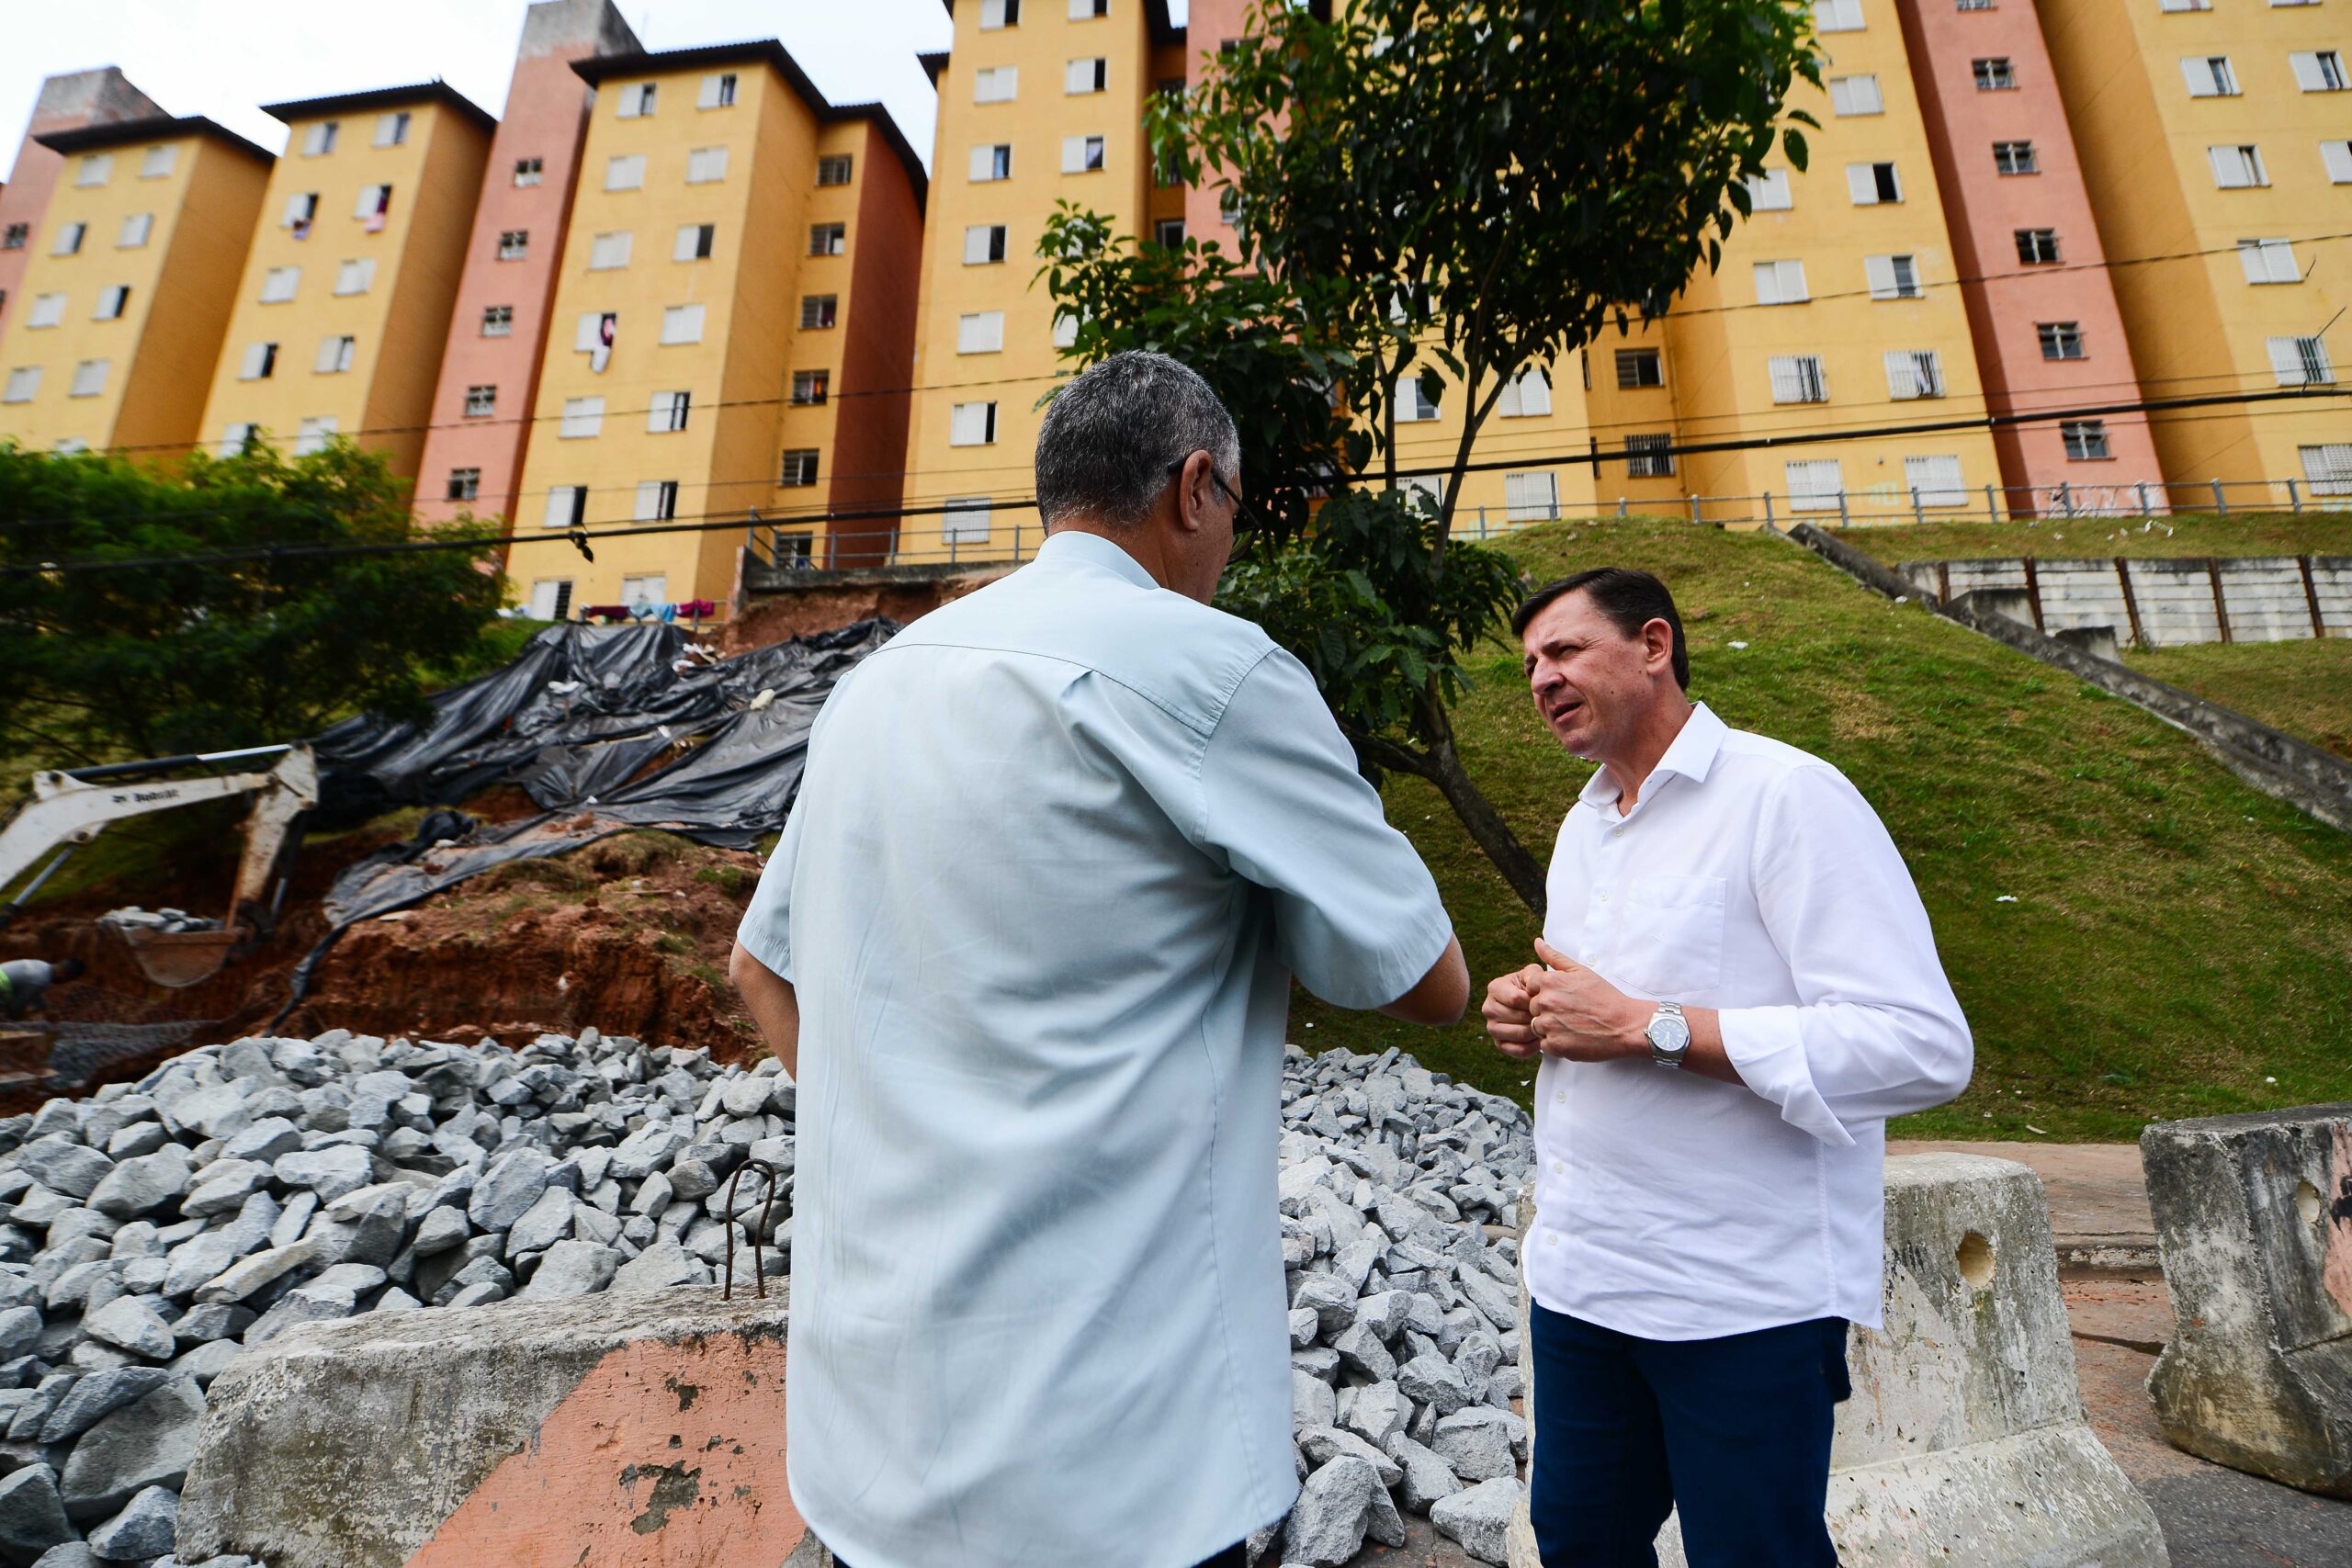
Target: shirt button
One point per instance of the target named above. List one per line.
(1604, 898)
(1551, 1238)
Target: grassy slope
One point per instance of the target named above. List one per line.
(2177, 939)
(2303, 688)
(2241, 534)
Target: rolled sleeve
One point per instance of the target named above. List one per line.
(1357, 915)
(1875, 1030)
(766, 930)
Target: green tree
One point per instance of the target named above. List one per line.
(167, 652)
(1454, 192)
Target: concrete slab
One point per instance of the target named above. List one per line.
(2100, 1221)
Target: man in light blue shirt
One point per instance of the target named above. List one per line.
(1061, 847)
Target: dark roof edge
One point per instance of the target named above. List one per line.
(154, 128)
(880, 117)
(1164, 29)
(435, 92)
(932, 61)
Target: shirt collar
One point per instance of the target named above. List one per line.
(1690, 755)
(1075, 545)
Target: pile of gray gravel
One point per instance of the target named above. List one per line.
(150, 1233)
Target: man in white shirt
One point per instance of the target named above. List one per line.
(1738, 987)
(1060, 848)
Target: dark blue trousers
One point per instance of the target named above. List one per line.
(1734, 1432)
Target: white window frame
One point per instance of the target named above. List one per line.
(313, 435)
(657, 501)
(980, 332)
(2021, 157)
(158, 161)
(2335, 158)
(355, 274)
(1856, 95)
(90, 378)
(513, 244)
(113, 301)
(682, 323)
(567, 507)
(47, 310)
(1780, 282)
(2318, 69)
(2327, 467)
(971, 425)
(979, 239)
(1414, 405)
(706, 165)
(650, 588)
(1862, 184)
(1084, 155)
(992, 162)
(582, 418)
(481, 400)
(2208, 75)
(718, 91)
(1087, 73)
(498, 325)
(995, 14)
(279, 285)
(1838, 16)
(2075, 434)
(1768, 192)
(302, 208)
(638, 99)
(392, 127)
(609, 251)
(669, 412)
(841, 163)
(1811, 495)
(797, 468)
(337, 351)
(625, 170)
(965, 519)
(1527, 395)
(374, 201)
(996, 84)
(69, 239)
(820, 312)
(233, 436)
(137, 229)
(92, 170)
(2300, 361)
(2238, 167)
(23, 385)
(688, 244)
(2269, 261)
(259, 363)
(1887, 276)
(1532, 497)
(1089, 10)
(319, 137)
(1935, 479)
(549, 599)
(1798, 379)
(1913, 373)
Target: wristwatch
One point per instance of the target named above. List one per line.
(1669, 1036)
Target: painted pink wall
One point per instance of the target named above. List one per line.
(1984, 208)
(1211, 23)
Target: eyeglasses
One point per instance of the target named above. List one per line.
(1242, 514)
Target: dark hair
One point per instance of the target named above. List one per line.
(1627, 599)
(1111, 432)
(66, 969)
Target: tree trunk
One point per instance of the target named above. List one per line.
(1441, 766)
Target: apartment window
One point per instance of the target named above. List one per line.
(2328, 466)
(682, 323)
(90, 378)
(2209, 76)
(799, 468)
(1837, 15)
(465, 484)
(983, 243)
(694, 241)
(626, 171)
(24, 384)
(2269, 261)
(2036, 247)
(567, 506)
(134, 231)
(971, 425)
(1081, 154)
(391, 130)
(1814, 484)
(259, 364)
(15, 237)
(1640, 367)
(336, 352)
(834, 170)
(583, 418)
(657, 501)
(2301, 362)
(312, 434)
(594, 334)
(1913, 373)
(1971, 5)
(301, 211)
(2060, 340)
(965, 520)
(1086, 75)
(278, 284)
(1087, 10)
(718, 91)
(991, 161)
(643, 594)
(1414, 404)
(70, 447)
(47, 310)
(1650, 456)
(828, 239)
(1780, 283)
(637, 100)
(2336, 158)
(995, 14)
(2085, 440)
(497, 321)
(996, 84)
(318, 138)
(2237, 168)
(69, 239)
(113, 300)
(817, 311)
(481, 401)
(2318, 70)
(608, 251)
(1531, 498)
(1168, 233)
(1525, 396)
(356, 276)
(1065, 329)
(158, 162)
(1768, 192)
(1892, 277)
(529, 171)
(1935, 482)
(233, 437)
(375, 204)
(668, 414)
(2015, 158)
(1994, 76)
(95, 169)
(706, 165)
(513, 244)
(1856, 95)
(981, 331)
(1797, 379)
(1870, 184)
(2188, 4)
(812, 387)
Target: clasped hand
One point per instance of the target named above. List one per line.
(1564, 1009)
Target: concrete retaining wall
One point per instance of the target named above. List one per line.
(2254, 1218)
(2160, 601)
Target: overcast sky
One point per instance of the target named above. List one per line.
(221, 57)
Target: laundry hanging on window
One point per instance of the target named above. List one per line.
(608, 326)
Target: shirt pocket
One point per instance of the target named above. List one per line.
(1670, 945)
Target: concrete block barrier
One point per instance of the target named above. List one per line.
(605, 1431)
(1964, 1440)
(2254, 1222)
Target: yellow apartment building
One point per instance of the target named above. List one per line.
(128, 297)
(731, 329)
(2216, 144)
(348, 288)
(1039, 101)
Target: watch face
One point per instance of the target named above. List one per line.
(1670, 1033)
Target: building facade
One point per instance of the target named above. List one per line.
(126, 298)
(66, 102)
(352, 273)
(733, 319)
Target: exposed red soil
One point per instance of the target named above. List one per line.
(778, 616)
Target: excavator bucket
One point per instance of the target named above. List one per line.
(174, 959)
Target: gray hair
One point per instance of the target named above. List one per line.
(1111, 432)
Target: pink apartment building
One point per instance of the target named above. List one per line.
(68, 102)
(490, 367)
(2041, 306)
